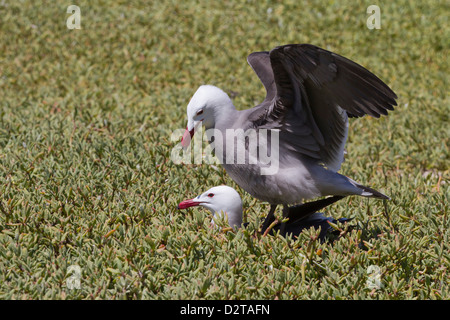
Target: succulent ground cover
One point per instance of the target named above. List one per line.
(86, 123)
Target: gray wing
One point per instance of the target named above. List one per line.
(312, 94)
(260, 63)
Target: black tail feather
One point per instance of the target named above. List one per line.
(306, 209)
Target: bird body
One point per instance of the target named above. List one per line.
(301, 179)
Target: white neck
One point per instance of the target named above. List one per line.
(222, 113)
(234, 218)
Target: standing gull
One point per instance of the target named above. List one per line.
(311, 92)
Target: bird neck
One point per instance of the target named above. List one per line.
(223, 115)
(234, 218)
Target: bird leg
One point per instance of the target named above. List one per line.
(269, 219)
(283, 224)
(386, 213)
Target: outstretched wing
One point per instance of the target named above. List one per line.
(260, 63)
(310, 94)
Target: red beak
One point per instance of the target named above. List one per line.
(187, 136)
(188, 203)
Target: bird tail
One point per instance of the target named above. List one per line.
(372, 193)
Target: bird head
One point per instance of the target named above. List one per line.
(203, 108)
(219, 200)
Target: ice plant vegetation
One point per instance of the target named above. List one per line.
(86, 117)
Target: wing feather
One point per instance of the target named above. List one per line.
(310, 94)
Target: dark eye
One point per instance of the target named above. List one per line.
(199, 112)
(211, 195)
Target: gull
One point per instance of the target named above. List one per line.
(225, 202)
(310, 94)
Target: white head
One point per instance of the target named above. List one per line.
(206, 106)
(218, 200)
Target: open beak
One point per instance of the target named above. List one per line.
(187, 136)
(189, 203)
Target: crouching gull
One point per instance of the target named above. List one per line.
(225, 200)
(311, 92)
